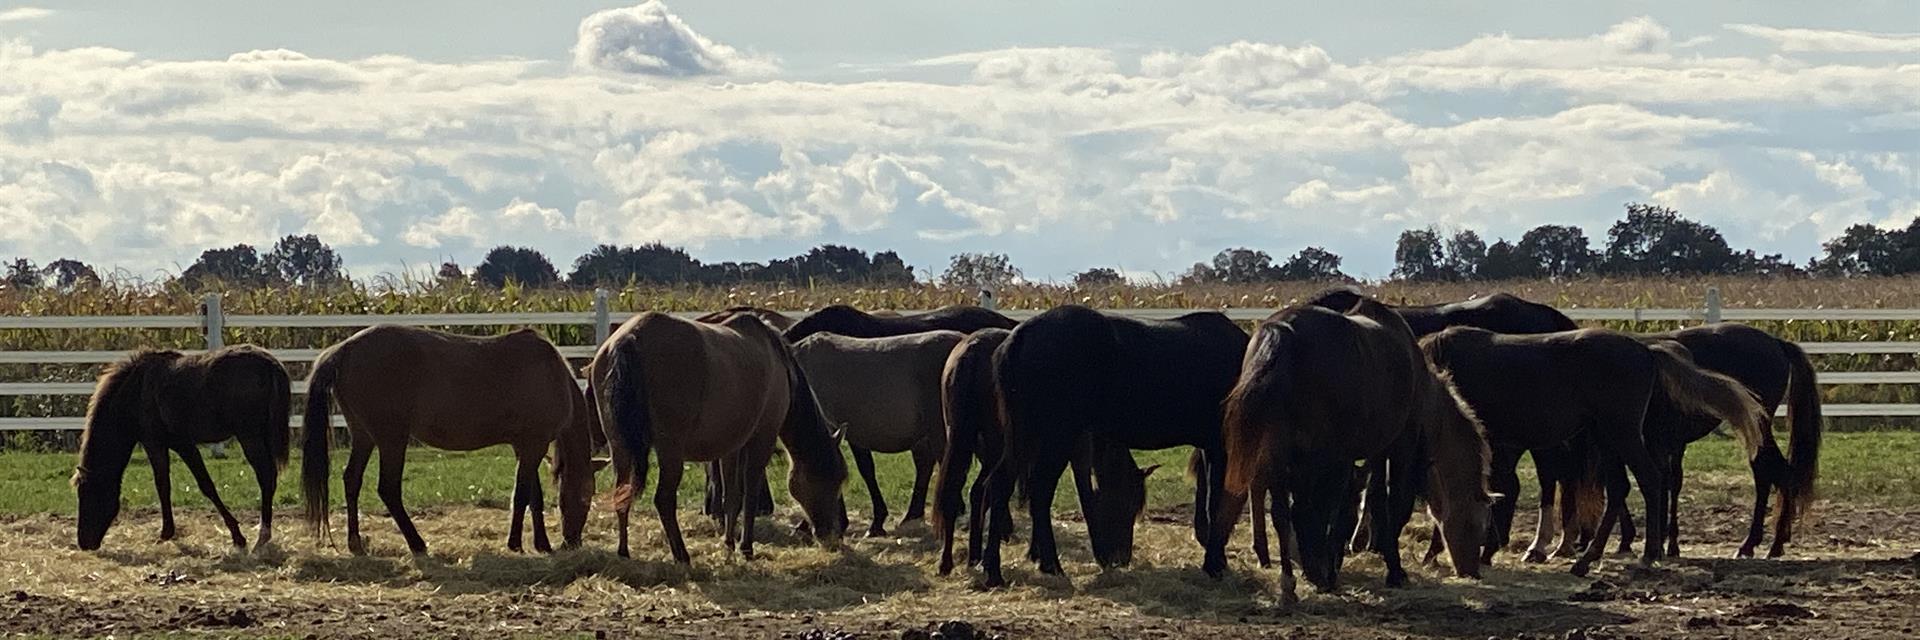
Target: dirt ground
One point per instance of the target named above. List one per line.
(1853, 573)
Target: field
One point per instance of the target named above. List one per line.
(1852, 572)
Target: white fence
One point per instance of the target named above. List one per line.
(212, 322)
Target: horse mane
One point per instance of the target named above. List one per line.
(116, 396)
(1446, 394)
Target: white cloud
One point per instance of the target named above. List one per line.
(23, 14)
(648, 39)
(1076, 154)
(1830, 40)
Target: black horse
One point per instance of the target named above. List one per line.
(1775, 370)
(1073, 371)
(1539, 390)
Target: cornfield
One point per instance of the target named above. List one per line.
(398, 297)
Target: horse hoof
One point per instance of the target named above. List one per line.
(1266, 563)
(1052, 568)
(1580, 569)
(876, 531)
(1775, 553)
(1535, 557)
(357, 546)
(623, 553)
(1396, 579)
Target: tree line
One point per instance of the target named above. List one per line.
(1649, 241)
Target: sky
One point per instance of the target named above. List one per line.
(1070, 134)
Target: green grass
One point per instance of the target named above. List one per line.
(1869, 468)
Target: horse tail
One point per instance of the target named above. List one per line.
(961, 405)
(280, 417)
(1803, 412)
(1696, 390)
(1586, 487)
(632, 415)
(1255, 406)
(318, 437)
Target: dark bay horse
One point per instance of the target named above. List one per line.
(883, 395)
(168, 401)
(1775, 370)
(697, 392)
(396, 385)
(1072, 372)
(848, 321)
(971, 407)
(779, 321)
(1533, 391)
(1321, 389)
(763, 502)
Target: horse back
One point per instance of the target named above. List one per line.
(454, 391)
(710, 387)
(884, 392)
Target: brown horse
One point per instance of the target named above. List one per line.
(970, 403)
(399, 384)
(883, 395)
(1321, 389)
(781, 322)
(848, 321)
(166, 400)
(690, 391)
(1534, 391)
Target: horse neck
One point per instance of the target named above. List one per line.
(1458, 446)
(106, 446)
(805, 433)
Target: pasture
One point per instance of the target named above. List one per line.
(1851, 572)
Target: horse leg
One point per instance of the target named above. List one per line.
(351, 479)
(1653, 492)
(1616, 504)
(393, 464)
(266, 472)
(162, 486)
(1503, 480)
(1013, 464)
(1550, 469)
(732, 499)
(1762, 488)
(1396, 509)
(1283, 529)
(711, 506)
(1257, 501)
(755, 474)
(1674, 474)
(863, 458)
(1372, 499)
(925, 459)
(1437, 543)
(190, 455)
(630, 476)
(666, 503)
(529, 495)
(1040, 489)
(977, 511)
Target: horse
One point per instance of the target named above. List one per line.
(1532, 391)
(763, 504)
(848, 321)
(883, 395)
(1558, 466)
(1140, 384)
(971, 407)
(398, 384)
(1321, 389)
(1776, 370)
(691, 391)
(167, 400)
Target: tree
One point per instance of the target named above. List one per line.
(1097, 277)
(304, 260)
(1236, 266)
(1418, 256)
(979, 270)
(1555, 251)
(652, 263)
(1862, 249)
(237, 266)
(22, 275)
(888, 268)
(1749, 263)
(1466, 252)
(1312, 264)
(69, 274)
(1505, 262)
(450, 273)
(522, 265)
(1656, 240)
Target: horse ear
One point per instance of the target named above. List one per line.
(601, 463)
(1148, 471)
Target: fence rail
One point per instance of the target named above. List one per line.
(213, 323)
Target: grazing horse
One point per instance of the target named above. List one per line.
(970, 403)
(848, 321)
(1533, 391)
(1321, 389)
(166, 400)
(397, 385)
(1776, 370)
(883, 395)
(779, 321)
(697, 392)
(1140, 384)
(1558, 465)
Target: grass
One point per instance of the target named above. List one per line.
(1867, 468)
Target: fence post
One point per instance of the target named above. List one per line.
(602, 322)
(213, 323)
(1713, 305)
